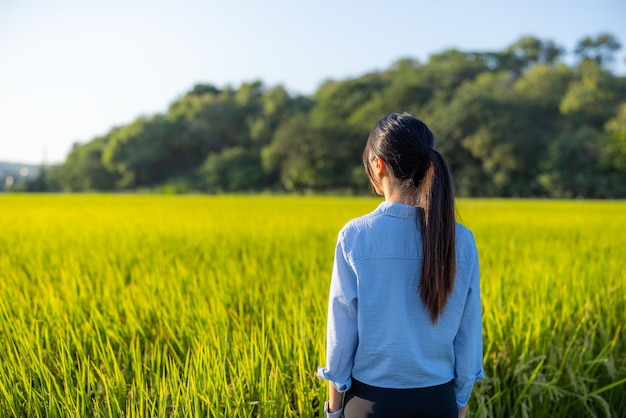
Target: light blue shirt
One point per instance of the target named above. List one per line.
(379, 332)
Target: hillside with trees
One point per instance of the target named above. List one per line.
(513, 123)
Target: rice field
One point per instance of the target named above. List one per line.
(185, 306)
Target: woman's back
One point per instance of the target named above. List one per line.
(399, 346)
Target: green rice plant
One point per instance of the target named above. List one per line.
(181, 306)
(554, 305)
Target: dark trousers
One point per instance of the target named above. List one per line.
(369, 401)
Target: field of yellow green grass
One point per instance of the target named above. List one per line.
(145, 305)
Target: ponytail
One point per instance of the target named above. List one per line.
(406, 144)
(437, 227)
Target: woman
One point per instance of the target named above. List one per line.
(404, 335)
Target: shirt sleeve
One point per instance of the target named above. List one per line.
(342, 336)
(468, 343)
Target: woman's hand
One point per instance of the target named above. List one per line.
(334, 414)
(334, 406)
(462, 411)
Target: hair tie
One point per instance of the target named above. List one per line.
(427, 152)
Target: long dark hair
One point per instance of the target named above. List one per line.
(406, 145)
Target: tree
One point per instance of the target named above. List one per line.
(615, 150)
(232, 170)
(45, 181)
(600, 49)
(488, 120)
(84, 170)
(403, 88)
(209, 122)
(143, 153)
(276, 107)
(573, 169)
(449, 69)
(590, 99)
(529, 51)
(545, 87)
(337, 101)
(202, 89)
(288, 156)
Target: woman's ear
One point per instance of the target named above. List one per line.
(379, 171)
(378, 165)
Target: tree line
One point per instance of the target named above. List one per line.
(513, 123)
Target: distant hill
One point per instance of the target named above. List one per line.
(26, 178)
(18, 171)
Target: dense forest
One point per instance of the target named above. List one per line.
(513, 123)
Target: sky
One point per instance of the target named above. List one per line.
(71, 70)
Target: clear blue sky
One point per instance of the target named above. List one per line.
(71, 70)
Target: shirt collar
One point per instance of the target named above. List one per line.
(397, 210)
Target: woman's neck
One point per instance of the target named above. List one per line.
(393, 193)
